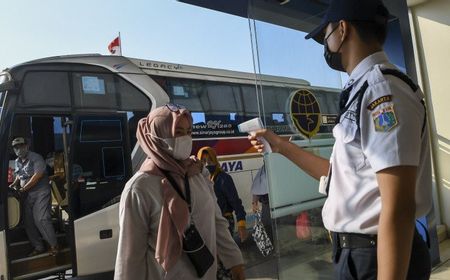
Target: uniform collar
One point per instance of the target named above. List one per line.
(365, 65)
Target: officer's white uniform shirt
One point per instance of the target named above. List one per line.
(390, 135)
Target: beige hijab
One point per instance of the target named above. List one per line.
(160, 124)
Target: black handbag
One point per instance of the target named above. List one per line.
(196, 250)
(193, 244)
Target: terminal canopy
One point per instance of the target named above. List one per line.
(300, 15)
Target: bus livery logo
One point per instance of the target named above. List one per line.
(120, 65)
(159, 65)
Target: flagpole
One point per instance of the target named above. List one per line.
(120, 45)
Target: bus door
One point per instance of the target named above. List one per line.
(100, 167)
(45, 136)
(4, 80)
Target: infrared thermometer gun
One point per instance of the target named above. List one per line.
(254, 125)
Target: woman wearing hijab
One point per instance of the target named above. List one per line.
(154, 217)
(225, 190)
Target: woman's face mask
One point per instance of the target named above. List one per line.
(211, 168)
(21, 151)
(180, 147)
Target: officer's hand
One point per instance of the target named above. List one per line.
(237, 272)
(273, 139)
(243, 234)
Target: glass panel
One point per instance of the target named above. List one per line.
(45, 89)
(306, 102)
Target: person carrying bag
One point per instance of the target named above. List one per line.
(165, 233)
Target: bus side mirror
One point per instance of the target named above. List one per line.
(9, 85)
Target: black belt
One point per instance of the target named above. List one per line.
(354, 240)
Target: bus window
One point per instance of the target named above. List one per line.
(45, 89)
(275, 98)
(94, 90)
(130, 98)
(189, 93)
(100, 131)
(106, 91)
(249, 99)
(113, 159)
(224, 98)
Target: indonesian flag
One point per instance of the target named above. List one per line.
(114, 46)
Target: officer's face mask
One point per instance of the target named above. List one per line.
(333, 59)
(21, 151)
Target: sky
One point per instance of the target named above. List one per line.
(164, 30)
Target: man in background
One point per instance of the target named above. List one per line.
(31, 180)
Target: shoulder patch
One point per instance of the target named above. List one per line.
(385, 119)
(378, 101)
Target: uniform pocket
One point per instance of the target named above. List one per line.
(347, 134)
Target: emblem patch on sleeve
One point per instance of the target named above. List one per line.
(378, 101)
(385, 119)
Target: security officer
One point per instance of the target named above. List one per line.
(31, 180)
(379, 173)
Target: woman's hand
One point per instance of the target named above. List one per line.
(194, 166)
(243, 233)
(237, 272)
(274, 140)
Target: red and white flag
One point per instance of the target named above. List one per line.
(114, 47)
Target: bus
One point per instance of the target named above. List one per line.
(80, 112)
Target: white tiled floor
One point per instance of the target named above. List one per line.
(442, 271)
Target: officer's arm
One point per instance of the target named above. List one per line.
(33, 181)
(314, 165)
(396, 224)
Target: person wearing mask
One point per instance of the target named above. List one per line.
(31, 180)
(226, 193)
(170, 192)
(379, 173)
